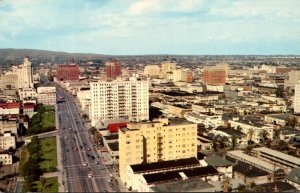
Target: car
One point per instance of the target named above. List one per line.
(85, 164)
(97, 162)
(84, 144)
(89, 149)
(70, 128)
(81, 147)
(88, 155)
(75, 131)
(66, 137)
(93, 157)
(89, 169)
(90, 175)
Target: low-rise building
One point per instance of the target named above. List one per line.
(28, 109)
(46, 95)
(293, 177)
(7, 140)
(10, 108)
(221, 164)
(27, 93)
(6, 159)
(8, 126)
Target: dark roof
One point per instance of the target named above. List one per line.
(178, 93)
(218, 161)
(246, 169)
(175, 175)
(230, 131)
(200, 171)
(111, 137)
(294, 175)
(137, 168)
(162, 177)
(200, 156)
(114, 146)
(281, 186)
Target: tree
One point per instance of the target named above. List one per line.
(239, 128)
(282, 145)
(226, 185)
(233, 141)
(280, 92)
(264, 135)
(291, 122)
(43, 182)
(276, 134)
(252, 186)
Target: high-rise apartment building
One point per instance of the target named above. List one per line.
(157, 140)
(215, 75)
(297, 98)
(67, 72)
(113, 69)
(119, 99)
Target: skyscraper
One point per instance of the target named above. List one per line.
(24, 73)
(119, 99)
(113, 69)
(297, 98)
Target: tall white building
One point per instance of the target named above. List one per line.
(24, 72)
(297, 98)
(119, 99)
(294, 76)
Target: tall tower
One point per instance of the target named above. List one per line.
(297, 98)
(27, 72)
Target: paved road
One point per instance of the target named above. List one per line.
(73, 156)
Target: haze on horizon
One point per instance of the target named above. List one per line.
(136, 27)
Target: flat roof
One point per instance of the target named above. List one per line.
(278, 154)
(139, 168)
(192, 185)
(218, 161)
(246, 169)
(231, 131)
(238, 154)
(111, 137)
(175, 175)
(114, 146)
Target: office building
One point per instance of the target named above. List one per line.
(24, 72)
(215, 75)
(12, 108)
(67, 72)
(168, 66)
(27, 93)
(9, 80)
(152, 70)
(46, 95)
(154, 141)
(113, 69)
(120, 99)
(297, 98)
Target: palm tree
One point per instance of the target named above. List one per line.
(250, 134)
(226, 185)
(252, 186)
(233, 141)
(276, 134)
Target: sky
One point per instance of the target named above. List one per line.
(137, 27)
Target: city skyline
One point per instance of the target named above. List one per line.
(152, 27)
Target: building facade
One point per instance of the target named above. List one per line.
(158, 140)
(46, 95)
(6, 158)
(67, 72)
(297, 98)
(118, 99)
(215, 75)
(7, 140)
(113, 69)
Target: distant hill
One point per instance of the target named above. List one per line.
(20, 53)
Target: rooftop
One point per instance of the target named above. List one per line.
(218, 161)
(180, 163)
(230, 131)
(246, 169)
(176, 174)
(294, 175)
(111, 137)
(114, 146)
(188, 185)
(278, 154)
